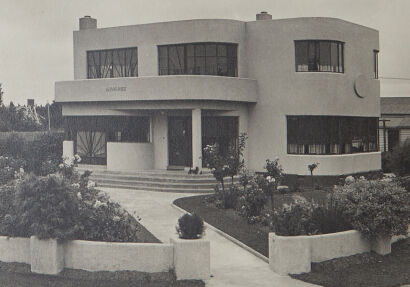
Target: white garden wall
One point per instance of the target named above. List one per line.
(15, 249)
(110, 256)
(294, 254)
(190, 259)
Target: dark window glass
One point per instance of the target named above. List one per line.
(198, 59)
(319, 56)
(113, 63)
(120, 129)
(331, 134)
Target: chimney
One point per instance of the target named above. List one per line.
(88, 23)
(263, 16)
(30, 102)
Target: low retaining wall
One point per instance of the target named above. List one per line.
(110, 256)
(294, 254)
(51, 256)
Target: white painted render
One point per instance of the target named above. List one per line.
(266, 91)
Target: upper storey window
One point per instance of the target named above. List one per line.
(114, 63)
(319, 56)
(218, 59)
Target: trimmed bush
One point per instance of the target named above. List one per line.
(190, 226)
(376, 208)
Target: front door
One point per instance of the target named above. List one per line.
(180, 141)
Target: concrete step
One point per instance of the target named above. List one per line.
(174, 184)
(155, 180)
(160, 189)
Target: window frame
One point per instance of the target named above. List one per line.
(112, 72)
(195, 44)
(317, 42)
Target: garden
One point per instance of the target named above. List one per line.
(256, 204)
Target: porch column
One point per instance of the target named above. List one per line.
(196, 139)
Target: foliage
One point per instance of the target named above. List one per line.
(26, 118)
(10, 168)
(273, 177)
(386, 159)
(226, 165)
(45, 207)
(376, 208)
(41, 155)
(251, 201)
(63, 207)
(399, 161)
(306, 218)
(227, 199)
(190, 226)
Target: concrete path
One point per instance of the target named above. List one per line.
(230, 264)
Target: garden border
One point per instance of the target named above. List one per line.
(227, 236)
(51, 256)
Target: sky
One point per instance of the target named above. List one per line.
(36, 40)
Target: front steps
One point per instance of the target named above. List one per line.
(152, 180)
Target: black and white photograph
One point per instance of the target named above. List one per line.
(187, 143)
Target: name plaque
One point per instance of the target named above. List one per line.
(116, 89)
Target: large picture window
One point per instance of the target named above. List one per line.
(114, 63)
(319, 56)
(331, 134)
(218, 59)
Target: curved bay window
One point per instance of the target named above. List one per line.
(319, 56)
(219, 59)
(114, 63)
(331, 134)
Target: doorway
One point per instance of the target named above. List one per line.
(180, 141)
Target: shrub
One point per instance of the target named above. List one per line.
(46, 208)
(386, 159)
(62, 208)
(377, 208)
(307, 218)
(190, 226)
(399, 162)
(10, 168)
(251, 202)
(227, 199)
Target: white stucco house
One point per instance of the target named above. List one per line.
(151, 96)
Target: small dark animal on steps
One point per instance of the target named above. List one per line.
(194, 171)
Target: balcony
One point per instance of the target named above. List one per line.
(160, 88)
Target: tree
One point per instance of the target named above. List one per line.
(1, 94)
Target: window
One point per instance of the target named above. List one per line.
(319, 56)
(331, 134)
(115, 63)
(218, 59)
(116, 128)
(376, 63)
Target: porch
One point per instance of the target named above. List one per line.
(156, 139)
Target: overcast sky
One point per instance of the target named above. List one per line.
(36, 35)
